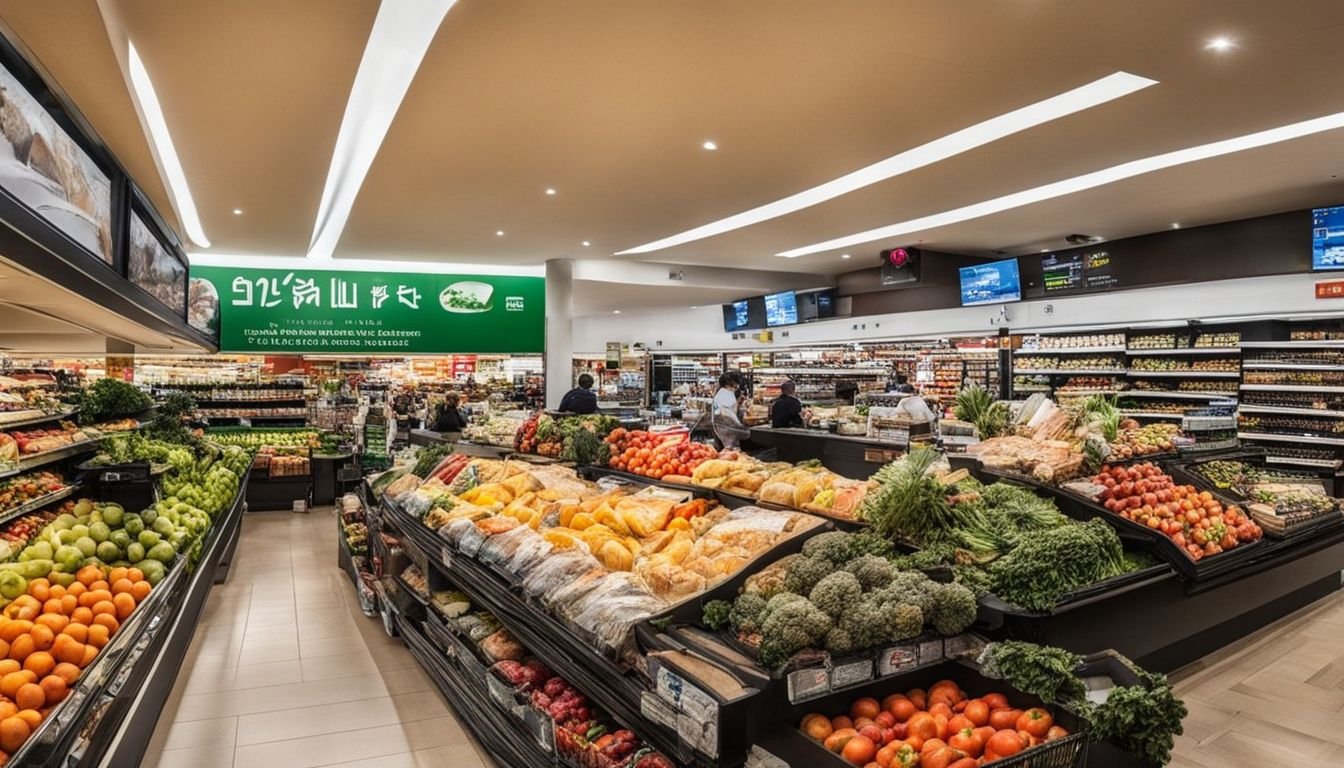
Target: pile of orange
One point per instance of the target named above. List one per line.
(49, 635)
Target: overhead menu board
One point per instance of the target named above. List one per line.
(1078, 272)
(329, 311)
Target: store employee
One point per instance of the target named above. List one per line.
(581, 399)
(787, 410)
(449, 418)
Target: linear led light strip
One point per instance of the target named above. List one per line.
(401, 34)
(1081, 183)
(1085, 97)
(170, 166)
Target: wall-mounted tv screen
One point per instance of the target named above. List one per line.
(781, 309)
(1327, 238)
(745, 315)
(994, 283)
(816, 305)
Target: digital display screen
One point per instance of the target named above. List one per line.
(736, 316)
(1327, 238)
(994, 283)
(1062, 273)
(1097, 272)
(826, 304)
(781, 309)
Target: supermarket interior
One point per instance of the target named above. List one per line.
(634, 384)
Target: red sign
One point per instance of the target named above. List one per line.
(1330, 289)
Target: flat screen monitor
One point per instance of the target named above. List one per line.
(1327, 238)
(1062, 273)
(816, 305)
(781, 309)
(735, 316)
(997, 282)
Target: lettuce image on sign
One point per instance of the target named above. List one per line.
(513, 303)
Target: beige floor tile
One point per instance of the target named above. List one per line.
(334, 718)
(449, 757)
(213, 757)
(344, 665)
(278, 697)
(345, 746)
(200, 734)
(331, 646)
(403, 760)
(407, 680)
(246, 676)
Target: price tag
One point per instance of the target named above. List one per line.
(931, 652)
(700, 735)
(447, 559)
(852, 673)
(897, 659)
(685, 696)
(963, 646)
(808, 684)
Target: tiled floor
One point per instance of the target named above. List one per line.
(285, 670)
(1273, 700)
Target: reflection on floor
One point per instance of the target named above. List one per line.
(285, 670)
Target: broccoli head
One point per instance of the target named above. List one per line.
(716, 613)
(874, 572)
(905, 621)
(746, 614)
(775, 603)
(835, 546)
(836, 593)
(804, 573)
(790, 628)
(878, 619)
(954, 609)
(869, 543)
(839, 642)
(911, 587)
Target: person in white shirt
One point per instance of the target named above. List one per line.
(727, 421)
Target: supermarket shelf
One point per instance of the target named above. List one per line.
(1151, 415)
(1254, 366)
(50, 457)
(1071, 351)
(822, 371)
(1292, 411)
(6, 425)
(1162, 395)
(1326, 344)
(1085, 392)
(1290, 388)
(1290, 438)
(1289, 461)
(1185, 374)
(1077, 372)
(1032, 388)
(1185, 351)
(37, 503)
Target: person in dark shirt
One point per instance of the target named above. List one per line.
(581, 399)
(449, 418)
(787, 410)
(902, 385)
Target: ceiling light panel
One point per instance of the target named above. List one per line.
(1080, 183)
(401, 34)
(1085, 97)
(161, 142)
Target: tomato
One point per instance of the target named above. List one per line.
(966, 741)
(1004, 718)
(1056, 732)
(995, 701)
(1004, 743)
(922, 726)
(942, 757)
(977, 711)
(1035, 721)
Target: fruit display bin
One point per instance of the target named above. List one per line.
(595, 473)
(795, 748)
(1185, 472)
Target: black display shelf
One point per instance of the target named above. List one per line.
(36, 504)
(37, 460)
(618, 692)
(43, 419)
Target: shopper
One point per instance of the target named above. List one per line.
(449, 418)
(903, 385)
(787, 410)
(581, 399)
(727, 416)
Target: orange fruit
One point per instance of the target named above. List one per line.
(12, 682)
(40, 589)
(140, 589)
(90, 653)
(23, 609)
(30, 716)
(67, 672)
(69, 604)
(13, 732)
(8, 665)
(124, 604)
(68, 651)
(99, 585)
(99, 634)
(77, 632)
(81, 616)
(55, 689)
(122, 585)
(22, 647)
(42, 636)
(40, 663)
(56, 591)
(55, 621)
(135, 574)
(109, 620)
(52, 605)
(116, 574)
(76, 589)
(7, 709)
(88, 574)
(13, 629)
(30, 696)
(86, 600)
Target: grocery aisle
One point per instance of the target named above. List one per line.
(285, 670)
(1274, 699)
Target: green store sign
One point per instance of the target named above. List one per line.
(261, 311)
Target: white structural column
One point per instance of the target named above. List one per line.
(559, 329)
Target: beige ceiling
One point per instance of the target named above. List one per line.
(608, 101)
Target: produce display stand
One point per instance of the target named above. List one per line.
(850, 456)
(326, 468)
(110, 715)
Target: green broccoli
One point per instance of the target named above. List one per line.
(954, 609)
(839, 642)
(836, 593)
(903, 622)
(926, 559)
(775, 603)
(835, 546)
(716, 613)
(789, 628)
(746, 613)
(874, 572)
(804, 573)
(869, 543)
(880, 618)
(911, 587)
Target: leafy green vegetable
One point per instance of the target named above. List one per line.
(429, 458)
(716, 613)
(1050, 673)
(167, 424)
(1143, 719)
(911, 503)
(1049, 564)
(108, 399)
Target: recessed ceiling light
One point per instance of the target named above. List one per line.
(1045, 250)
(1077, 184)
(695, 307)
(844, 255)
(1175, 225)
(397, 43)
(586, 243)
(237, 211)
(1219, 44)
(550, 190)
(615, 311)
(711, 146)
(161, 144)
(499, 232)
(1087, 96)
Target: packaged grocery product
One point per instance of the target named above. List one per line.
(559, 569)
(502, 646)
